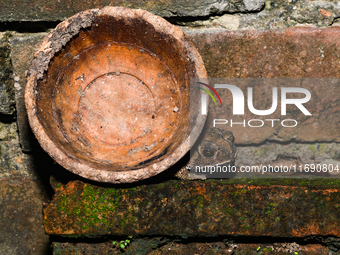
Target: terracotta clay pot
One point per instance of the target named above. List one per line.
(108, 94)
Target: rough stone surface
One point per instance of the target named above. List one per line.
(13, 162)
(281, 248)
(292, 153)
(196, 209)
(281, 14)
(290, 53)
(257, 14)
(23, 48)
(276, 15)
(151, 247)
(239, 249)
(53, 10)
(136, 246)
(21, 229)
(226, 21)
(7, 100)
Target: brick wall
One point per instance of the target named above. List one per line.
(262, 33)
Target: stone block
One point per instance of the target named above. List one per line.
(21, 225)
(279, 14)
(136, 246)
(13, 162)
(179, 247)
(281, 248)
(297, 154)
(287, 209)
(7, 99)
(23, 48)
(58, 10)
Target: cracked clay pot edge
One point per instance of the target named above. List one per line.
(54, 42)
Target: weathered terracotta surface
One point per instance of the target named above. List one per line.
(290, 53)
(112, 103)
(234, 207)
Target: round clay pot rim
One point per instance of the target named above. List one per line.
(46, 52)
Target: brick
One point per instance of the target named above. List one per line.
(196, 209)
(281, 248)
(290, 53)
(23, 48)
(14, 163)
(147, 246)
(287, 154)
(136, 246)
(21, 226)
(7, 99)
(57, 10)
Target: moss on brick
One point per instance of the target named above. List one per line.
(231, 207)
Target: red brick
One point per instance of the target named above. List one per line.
(290, 53)
(194, 209)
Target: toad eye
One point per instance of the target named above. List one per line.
(208, 149)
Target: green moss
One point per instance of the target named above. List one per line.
(91, 208)
(102, 204)
(322, 147)
(296, 182)
(260, 152)
(97, 206)
(267, 249)
(199, 201)
(312, 148)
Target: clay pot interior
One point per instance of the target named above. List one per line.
(116, 97)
